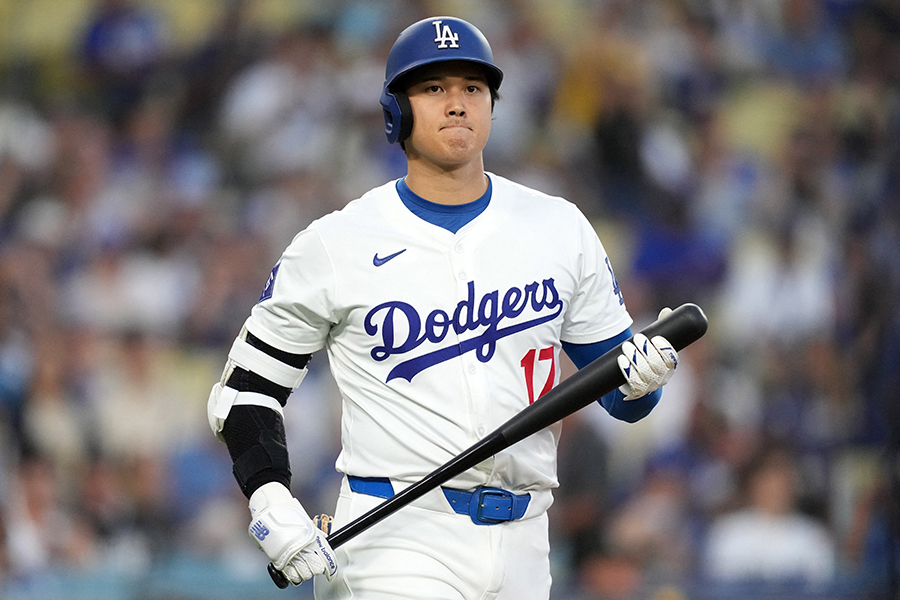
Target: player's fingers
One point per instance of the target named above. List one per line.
(648, 360)
(665, 349)
(647, 364)
(296, 571)
(668, 357)
(636, 384)
(627, 360)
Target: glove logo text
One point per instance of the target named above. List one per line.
(259, 530)
(332, 566)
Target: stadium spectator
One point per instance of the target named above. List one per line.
(769, 539)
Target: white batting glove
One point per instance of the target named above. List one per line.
(647, 364)
(282, 529)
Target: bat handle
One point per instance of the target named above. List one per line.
(277, 577)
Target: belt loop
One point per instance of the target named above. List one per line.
(380, 487)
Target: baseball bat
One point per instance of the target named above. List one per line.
(682, 327)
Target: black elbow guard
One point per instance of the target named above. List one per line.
(257, 444)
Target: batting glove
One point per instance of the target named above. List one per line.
(646, 363)
(282, 529)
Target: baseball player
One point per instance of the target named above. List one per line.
(443, 301)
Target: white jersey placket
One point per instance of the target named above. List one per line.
(462, 257)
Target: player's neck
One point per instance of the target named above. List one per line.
(454, 186)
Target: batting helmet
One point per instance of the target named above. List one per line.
(437, 39)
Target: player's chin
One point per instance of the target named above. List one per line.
(462, 144)
(459, 147)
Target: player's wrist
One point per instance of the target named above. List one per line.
(264, 478)
(269, 494)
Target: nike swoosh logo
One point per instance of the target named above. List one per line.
(377, 261)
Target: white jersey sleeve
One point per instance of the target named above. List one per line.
(597, 310)
(295, 311)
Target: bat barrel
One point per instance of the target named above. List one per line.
(682, 327)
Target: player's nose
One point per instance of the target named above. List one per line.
(455, 104)
(456, 108)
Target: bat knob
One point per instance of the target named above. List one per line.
(277, 577)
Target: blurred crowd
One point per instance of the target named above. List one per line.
(743, 155)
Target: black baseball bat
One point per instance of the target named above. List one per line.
(682, 327)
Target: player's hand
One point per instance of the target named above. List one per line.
(282, 529)
(646, 363)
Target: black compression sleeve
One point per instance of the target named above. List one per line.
(256, 442)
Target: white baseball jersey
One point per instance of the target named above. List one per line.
(435, 339)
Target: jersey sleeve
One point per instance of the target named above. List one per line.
(296, 310)
(597, 310)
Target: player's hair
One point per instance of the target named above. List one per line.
(432, 40)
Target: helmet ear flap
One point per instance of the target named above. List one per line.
(406, 116)
(398, 119)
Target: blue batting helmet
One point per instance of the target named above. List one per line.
(436, 39)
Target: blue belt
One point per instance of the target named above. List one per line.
(484, 505)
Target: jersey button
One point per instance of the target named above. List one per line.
(459, 248)
(472, 368)
(480, 430)
(463, 276)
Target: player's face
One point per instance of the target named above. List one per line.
(451, 106)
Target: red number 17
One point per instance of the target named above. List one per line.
(528, 363)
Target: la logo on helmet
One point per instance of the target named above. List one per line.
(445, 36)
